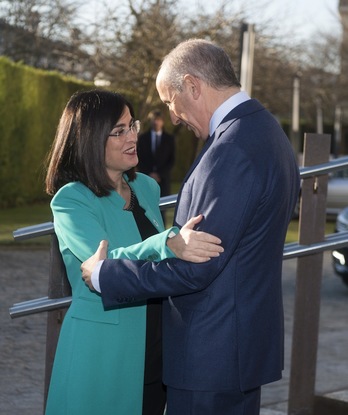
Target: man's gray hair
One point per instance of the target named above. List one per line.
(201, 59)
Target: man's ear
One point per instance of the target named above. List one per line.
(193, 85)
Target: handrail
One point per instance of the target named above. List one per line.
(38, 305)
(33, 231)
(167, 202)
(324, 168)
(334, 240)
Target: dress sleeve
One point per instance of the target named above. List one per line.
(80, 229)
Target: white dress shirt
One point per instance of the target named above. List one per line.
(226, 107)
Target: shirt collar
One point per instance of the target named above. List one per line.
(226, 107)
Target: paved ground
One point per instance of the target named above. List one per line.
(23, 276)
(332, 359)
(22, 341)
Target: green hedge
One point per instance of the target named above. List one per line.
(31, 102)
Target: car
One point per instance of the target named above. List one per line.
(340, 256)
(337, 192)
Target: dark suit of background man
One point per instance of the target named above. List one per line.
(223, 323)
(156, 152)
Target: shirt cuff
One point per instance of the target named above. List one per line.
(95, 276)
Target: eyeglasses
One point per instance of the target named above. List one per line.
(134, 128)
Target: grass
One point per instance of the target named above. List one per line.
(20, 217)
(292, 235)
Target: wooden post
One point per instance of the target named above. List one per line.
(308, 280)
(58, 287)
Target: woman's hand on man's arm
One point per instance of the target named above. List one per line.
(194, 246)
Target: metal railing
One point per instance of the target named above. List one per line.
(291, 250)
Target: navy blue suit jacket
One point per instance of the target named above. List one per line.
(223, 322)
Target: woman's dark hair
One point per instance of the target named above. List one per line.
(78, 150)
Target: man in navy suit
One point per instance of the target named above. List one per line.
(223, 319)
(156, 152)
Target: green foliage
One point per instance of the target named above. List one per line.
(187, 148)
(31, 102)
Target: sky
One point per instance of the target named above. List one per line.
(302, 19)
(307, 17)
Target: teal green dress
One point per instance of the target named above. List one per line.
(99, 363)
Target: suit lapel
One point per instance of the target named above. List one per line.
(241, 110)
(206, 146)
(219, 130)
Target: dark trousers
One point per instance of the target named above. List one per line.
(154, 398)
(184, 402)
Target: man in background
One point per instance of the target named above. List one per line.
(156, 152)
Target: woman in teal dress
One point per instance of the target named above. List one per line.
(100, 365)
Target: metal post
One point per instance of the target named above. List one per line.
(295, 120)
(320, 128)
(247, 61)
(58, 287)
(337, 130)
(308, 280)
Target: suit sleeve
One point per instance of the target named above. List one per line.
(227, 198)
